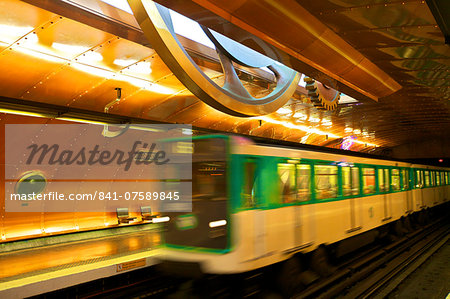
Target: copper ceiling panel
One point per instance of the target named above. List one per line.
(19, 72)
(289, 27)
(151, 92)
(403, 39)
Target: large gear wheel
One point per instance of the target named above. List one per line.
(323, 97)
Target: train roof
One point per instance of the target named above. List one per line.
(314, 148)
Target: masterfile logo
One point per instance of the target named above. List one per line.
(75, 167)
(53, 155)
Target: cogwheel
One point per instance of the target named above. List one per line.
(322, 97)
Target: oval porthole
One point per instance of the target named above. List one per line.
(31, 182)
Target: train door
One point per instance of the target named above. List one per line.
(252, 200)
(406, 187)
(289, 218)
(438, 188)
(350, 187)
(304, 214)
(420, 185)
(294, 189)
(384, 188)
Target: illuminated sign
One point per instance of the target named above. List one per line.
(347, 142)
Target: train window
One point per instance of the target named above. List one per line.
(346, 181)
(383, 186)
(355, 180)
(386, 180)
(419, 179)
(433, 178)
(438, 178)
(442, 178)
(303, 182)
(249, 186)
(286, 175)
(326, 181)
(368, 180)
(427, 178)
(395, 178)
(350, 181)
(405, 178)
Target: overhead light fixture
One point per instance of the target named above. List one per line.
(26, 113)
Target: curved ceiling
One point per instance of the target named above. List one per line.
(45, 59)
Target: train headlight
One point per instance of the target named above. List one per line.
(160, 219)
(217, 223)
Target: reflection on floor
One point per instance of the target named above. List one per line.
(35, 265)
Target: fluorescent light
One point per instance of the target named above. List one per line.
(85, 121)
(17, 112)
(186, 131)
(217, 223)
(161, 219)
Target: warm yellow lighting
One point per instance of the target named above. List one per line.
(144, 84)
(300, 116)
(284, 110)
(308, 130)
(140, 68)
(125, 62)
(41, 55)
(90, 57)
(298, 127)
(10, 34)
(141, 83)
(365, 143)
(73, 50)
(348, 130)
(158, 88)
(96, 71)
(51, 230)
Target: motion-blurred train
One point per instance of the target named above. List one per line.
(256, 205)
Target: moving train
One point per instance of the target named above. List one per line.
(256, 205)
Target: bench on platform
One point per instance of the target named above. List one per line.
(123, 215)
(146, 213)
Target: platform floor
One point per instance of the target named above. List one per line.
(431, 280)
(61, 265)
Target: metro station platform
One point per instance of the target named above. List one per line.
(32, 271)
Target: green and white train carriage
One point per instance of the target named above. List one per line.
(255, 205)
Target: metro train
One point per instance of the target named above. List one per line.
(257, 205)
